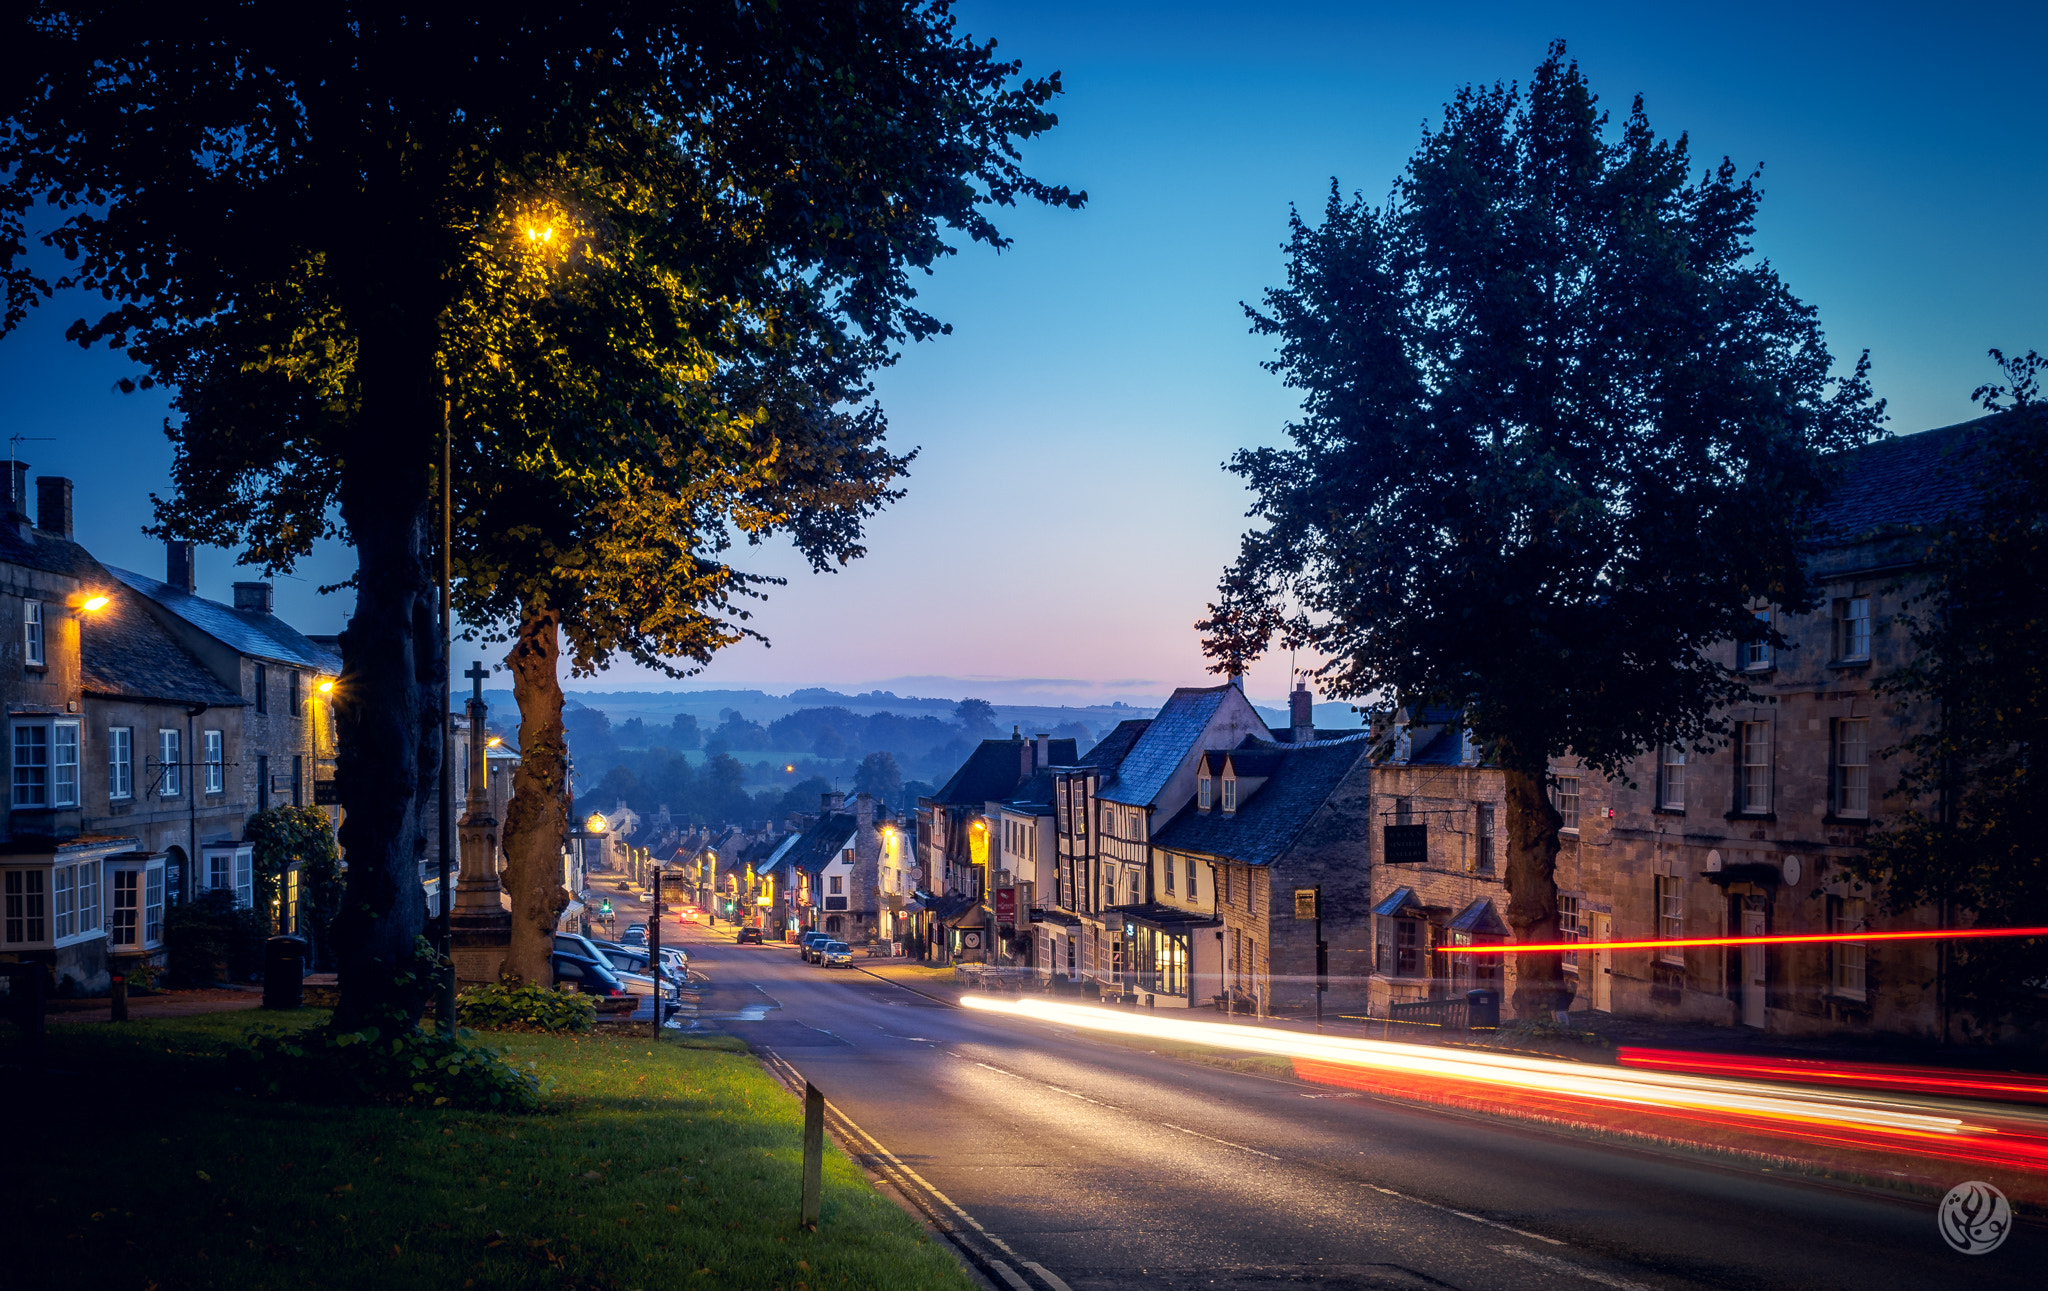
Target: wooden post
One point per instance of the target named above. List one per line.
(118, 997)
(814, 1154)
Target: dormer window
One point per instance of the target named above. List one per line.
(1230, 793)
(1202, 793)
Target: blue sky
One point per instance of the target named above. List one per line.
(1068, 514)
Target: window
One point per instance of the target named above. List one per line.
(121, 762)
(262, 782)
(1754, 784)
(1202, 793)
(32, 633)
(1132, 895)
(1671, 777)
(1756, 655)
(1223, 883)
(1230, 793)
(1305, 903)
(26, 907)
(1251, 894)
(64, 764)
(1852, 766)
(833, 885)
(127, 911)
(1192, 891)
(1570, 927)
(1407, 947)
(1482, 838)
(262, 688)
(1564, 795)
(62, 895)
(167, 759)
(1852, 629)
(1108, 887)
(1845, 915)
(1670, 917)
(293, 690)
(45, 764)
(88, 896)
(1167, 869)
(298, 780)
(220, 871)
(216, 763)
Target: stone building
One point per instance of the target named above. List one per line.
(1750, 836)
(955, 844)
(1437, 814)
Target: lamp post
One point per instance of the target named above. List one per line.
(447, 763)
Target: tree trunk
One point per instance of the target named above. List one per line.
(388, 745)
(537, 821)
(1532, 827)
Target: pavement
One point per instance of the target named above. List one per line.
(1060, 1163)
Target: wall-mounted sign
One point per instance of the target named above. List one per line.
(1406, 844)
(326, 794)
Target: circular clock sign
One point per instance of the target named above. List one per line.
(971, 940)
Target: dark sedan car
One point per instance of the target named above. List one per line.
(589, 976)
(750, 937)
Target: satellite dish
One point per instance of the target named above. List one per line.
(1791, 868)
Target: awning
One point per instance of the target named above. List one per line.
(1154, 914)
(1480, 919)
(1403, 903)
(1060, 917)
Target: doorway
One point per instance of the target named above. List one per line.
(1603, 979)
(1753, 982)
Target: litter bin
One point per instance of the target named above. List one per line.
(284, 965)
(1482, 1009)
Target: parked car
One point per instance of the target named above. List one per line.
(634, 959)
(808, 947)
(635, 933)
(639, 983)
(835, 954)
(587, 975)
(750, 937)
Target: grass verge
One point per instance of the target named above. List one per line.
(136, 1165)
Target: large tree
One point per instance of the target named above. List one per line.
(1559, 430)
(1966, 831)
(298, 214)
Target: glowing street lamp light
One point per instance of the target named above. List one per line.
(595, 824)
(94, 604)
(326, 686)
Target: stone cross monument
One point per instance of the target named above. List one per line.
(481, 925)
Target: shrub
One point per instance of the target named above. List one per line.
(390, 1064)
(495, 1006)
(210, 938)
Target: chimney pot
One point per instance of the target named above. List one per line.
(253, 596)
(180, 565)
(1301, 713)
(53, 505)
(833, 801)
(1044, 749)
(17, 491)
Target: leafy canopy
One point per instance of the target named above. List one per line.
(1559, 428)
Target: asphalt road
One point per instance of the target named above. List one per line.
(1092, 1166)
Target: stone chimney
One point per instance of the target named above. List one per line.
(253, 596)
(1237, 679)
(181, 569)
(864, 809)
(1301, 714)
(1044, 750)
(53, 505)
(834, 801)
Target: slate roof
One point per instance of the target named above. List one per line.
(1447, 749)
(992, 771)
(260, 636)
(1904, 482)
(1481, 920)
(1159, 751)
(1110, 751)
(821, 844)
(1267, 821)
(50, 554)
(1034, 793)
(126, 654)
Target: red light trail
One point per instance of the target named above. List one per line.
(2004, 1087)
(1783, 939)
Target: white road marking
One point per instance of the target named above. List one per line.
(1556, 1265)
(1054, 1088)
(1225, 1142)
(1050, 1278)
(1490, 1223)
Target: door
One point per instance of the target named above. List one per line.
(1603, 979)
(1753, 971)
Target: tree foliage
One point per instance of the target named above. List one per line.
(303, 836)
(1965, 830)
(1559, 429)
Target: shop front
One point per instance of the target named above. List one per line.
(1161, 949)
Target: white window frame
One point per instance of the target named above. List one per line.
(1566, 800)
(1230, 793)
(1757, 655)
(1852, 767)
(169, 754)
(1671, 777)
(1202, 788)
(24, 906)
(1850, 967)
(1753, 768)
(216, 761)
(32, 645)
(1852, 629)
(120, 763)
(1571, 926)
(1670, 917)
(42, 781)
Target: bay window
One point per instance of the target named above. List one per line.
(45, 772)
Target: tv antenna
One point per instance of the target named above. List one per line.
(14, 443)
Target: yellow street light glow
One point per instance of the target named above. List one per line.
(595, 824)
(541, 235)
(494, 741)
(790, 768)
(94, 603)
(326, 686)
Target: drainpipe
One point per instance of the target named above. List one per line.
(191, 875)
